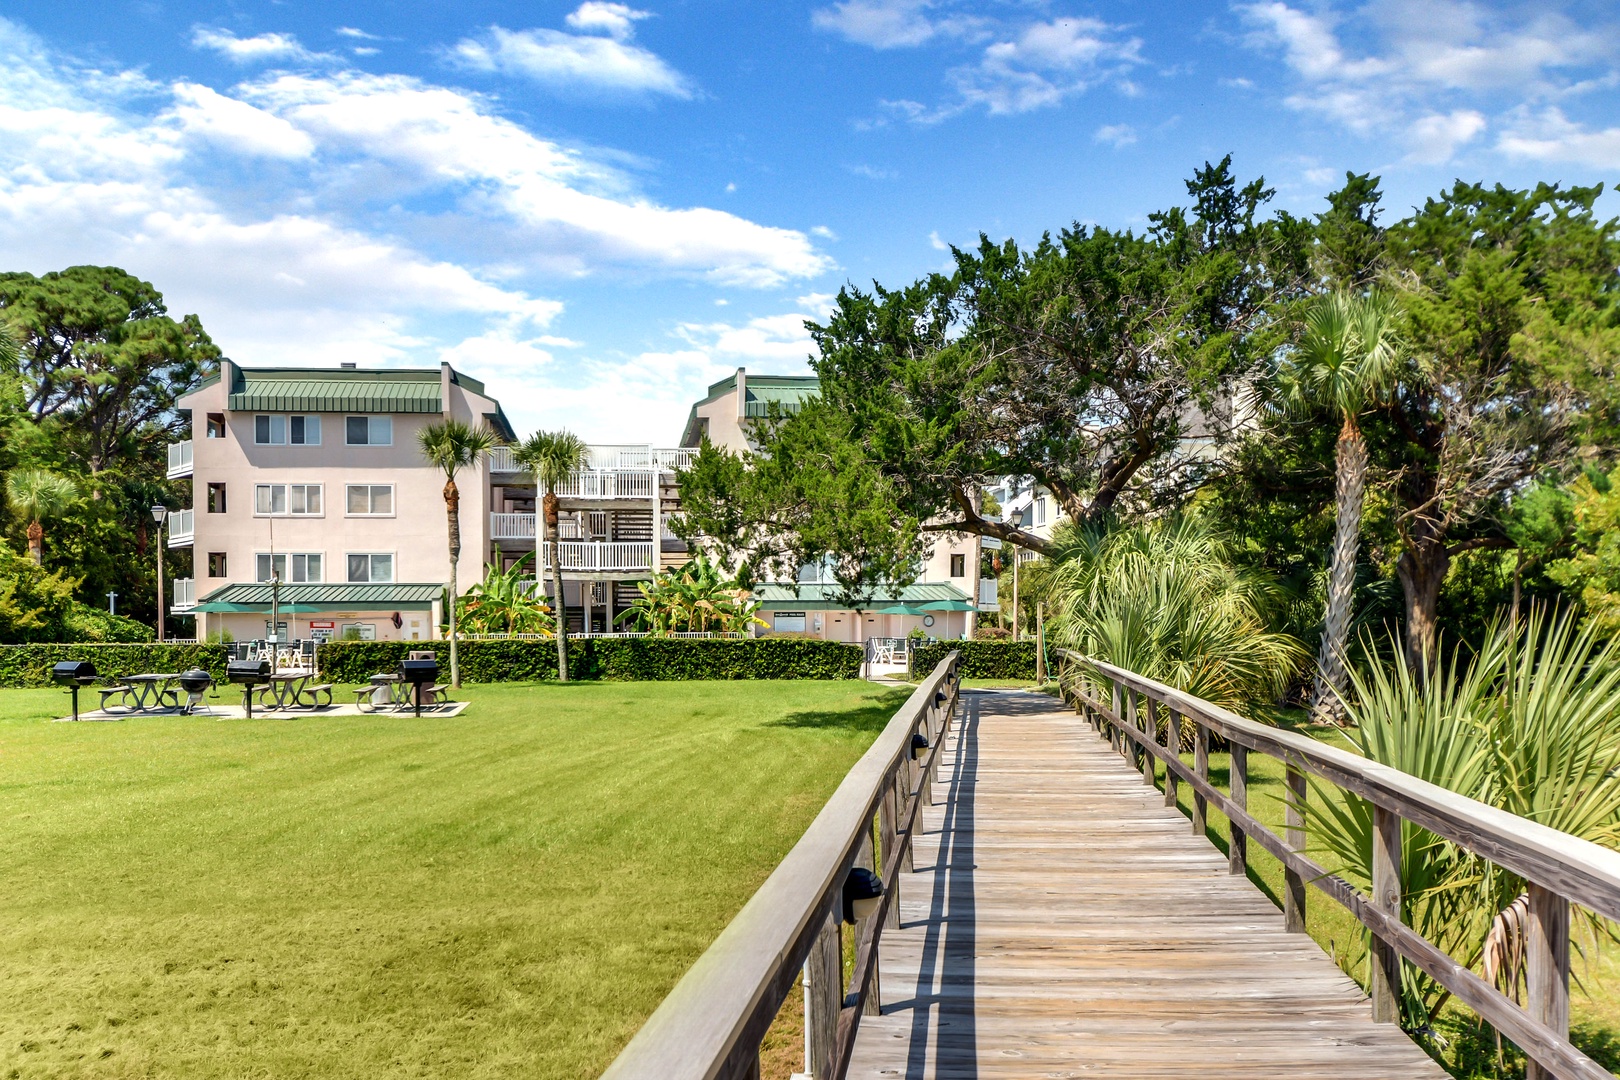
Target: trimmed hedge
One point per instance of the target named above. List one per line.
(30, 665)
(617, 659)
(980, 659)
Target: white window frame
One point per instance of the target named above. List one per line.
(289, 557)
(284, 421)
(287, 500)
(371, 430)
(393, 500)
(802, 617)
(393, 567)
(367, 630)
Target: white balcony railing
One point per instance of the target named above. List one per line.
(609, 484)
(183, 594)
(182, 527)
(511, 526)
(987, 594)
(603, 458)
(179, 460)
(604, 556)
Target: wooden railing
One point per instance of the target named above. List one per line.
(1133, 711)
(711, 1024)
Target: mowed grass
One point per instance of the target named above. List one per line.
(506, 893)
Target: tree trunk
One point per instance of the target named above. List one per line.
(1331, 681)
(1422, 570)
(36, 542)
(452, 506)
(560, 610)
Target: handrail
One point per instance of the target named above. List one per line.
(1560, 868)
(711, 1024)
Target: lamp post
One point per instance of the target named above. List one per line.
(159, 512)
(1017, 519)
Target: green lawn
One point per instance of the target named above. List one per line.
(505, 893)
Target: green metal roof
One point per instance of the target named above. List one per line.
(788, 391)
(782, 597)
(343, 390)
(335, 596)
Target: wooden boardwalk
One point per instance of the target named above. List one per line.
(1062, 922)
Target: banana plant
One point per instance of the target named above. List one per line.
(505, 602)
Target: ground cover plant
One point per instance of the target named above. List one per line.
(506, 893)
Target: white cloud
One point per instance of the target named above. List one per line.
(1425, 72)
(577, 62)
(1115, 135)
(823, 232)
(618, 21)
(209, 115)
(872, 172)
(448, 139)
(881, 24)
(936, 243)
(355, 32)
(253, 50)
(1549, 135)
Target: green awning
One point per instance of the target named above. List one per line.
(885, 599)
(343, 390)
(313, 598)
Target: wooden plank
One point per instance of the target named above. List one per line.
(1386, 897)
(1293, 883)
(1238, 851)
(1200, 807)
(1547, 966)
(823, 998)
(1061, 922)
(1172, 743)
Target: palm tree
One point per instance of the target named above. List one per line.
(1347, 361)
(453, 445)
(36, 494)
(554, 456)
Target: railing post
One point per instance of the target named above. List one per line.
(1293, 883)
(823, 997)
(1117, 737)
(888, 819)
(1172, 743)
(902, 792)
(1547, 967)
(1238, 853)
(1200, 814)
(1148, 724)
(867, 857)
(1386, 896)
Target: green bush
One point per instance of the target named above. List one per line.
(980, 659)
(30, 665)
(617, 659)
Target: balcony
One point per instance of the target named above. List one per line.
(183, 595)
(512, 527)
(602, 556)
(609, 484)
(609, 459)
(987, 595)
(179, 460)
(182, 528)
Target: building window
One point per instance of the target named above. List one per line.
(294, 566)
(216, 564)
(287, 500)
(958, 566)
(370, 500)
(1040, 510)
(369, 430)
(788, 622)
(371, 567)
(216, 425)
(282, 430)
(357, 631)
(216, 498)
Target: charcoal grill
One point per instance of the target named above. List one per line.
(419, 673)
(195, 682)
(74, 674)
(247, 674)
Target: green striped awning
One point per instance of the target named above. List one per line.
(914, 599)
(334, 596)
(344, 390)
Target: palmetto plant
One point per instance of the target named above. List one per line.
(452, 445)
(1167, 601)
(1529, 724)
(35, 495)
(505, 602)
(1347, 360)
(696, 597)
(553, 457)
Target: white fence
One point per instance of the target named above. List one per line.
(609, 484)
(182, 527)
(608, 556)
(512, 526)
(179, 459)
(610, 457)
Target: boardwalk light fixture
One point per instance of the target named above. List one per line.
(939, 699)
(862, 891)
(919, 746)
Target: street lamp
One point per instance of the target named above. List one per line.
(1017, 520)
(159, 512)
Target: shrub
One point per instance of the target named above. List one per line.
(619, 659)
(980, 659)
(30, 665)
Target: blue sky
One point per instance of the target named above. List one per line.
(602, 207)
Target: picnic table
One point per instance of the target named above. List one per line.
(292, 690)
(387, 691)
(139, 693)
